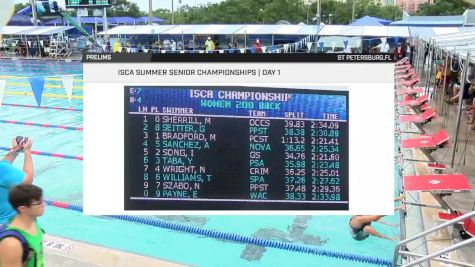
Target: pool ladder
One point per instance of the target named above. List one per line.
(405, 258)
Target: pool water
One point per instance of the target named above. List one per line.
(61, 180)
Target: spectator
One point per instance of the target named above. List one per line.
(209, 45)
(133, 45)
(179, 46)
(166, 44)
(383, 46)
(399, 52)
(155, 47)
(173, 45)
(257, 46)
(22, 239)
(191, 45)
(11, 176)
(108, 46)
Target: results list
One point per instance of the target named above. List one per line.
(235, 148)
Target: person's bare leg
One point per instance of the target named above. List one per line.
(455, 96)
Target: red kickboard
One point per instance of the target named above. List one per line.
(437, 182)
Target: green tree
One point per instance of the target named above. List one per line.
(20, 6)
(272, 11)
(446, 7)
(124, 8)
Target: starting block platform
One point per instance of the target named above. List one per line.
(468, 225)
(414, 102)
(424, 117)
(410, 91)
(426, 141)
(408, 83)
(403, 61)
(447, 183)
(405, 76)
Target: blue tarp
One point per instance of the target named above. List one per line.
(121, 20)
(111, 20)
(86, 20)
(430, 21)
(144, 20)
(20, 20)
(370, 21)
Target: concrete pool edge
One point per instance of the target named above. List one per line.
(60, 251)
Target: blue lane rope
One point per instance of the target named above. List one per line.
(236, 237)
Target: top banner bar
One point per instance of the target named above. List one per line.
(195, 57)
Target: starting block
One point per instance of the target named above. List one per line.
(410, 73)
(409, 83)
(436, 168)
(403, 61)
(468, 225)
(410, 91)
(414, 102)
(402, 69)
(425, 117)
(442, 183)
(438, 140)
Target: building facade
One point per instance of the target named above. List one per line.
(411, 6)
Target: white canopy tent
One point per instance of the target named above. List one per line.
(381, 31)
(137, 30)
(33, 30)
(459, 43)
(223, 29)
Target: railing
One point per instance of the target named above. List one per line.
(434, 256)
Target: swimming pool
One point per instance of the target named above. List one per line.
(61, 179)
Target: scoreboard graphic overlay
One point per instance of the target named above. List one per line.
(235, 148)
(87, 3)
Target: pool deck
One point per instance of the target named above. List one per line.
(459, 201)
(66, 252)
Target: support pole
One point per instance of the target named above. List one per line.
(33, 12)
(105, 24)
(429, 68)
(150, 11)
(459, 111)
(173, 13)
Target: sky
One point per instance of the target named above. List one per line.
(143, 4)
